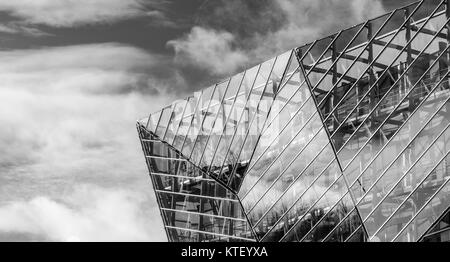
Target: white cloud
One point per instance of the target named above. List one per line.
(295, 23)
(103, 68)
(90, 213)
(67, 13)
(68, 118)
(221, 52)
(7, 29)
(18, 28)
(307, 20)
(209, 50)
(159, 19)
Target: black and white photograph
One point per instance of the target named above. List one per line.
(246, 122)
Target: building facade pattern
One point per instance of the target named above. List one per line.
(341, 139)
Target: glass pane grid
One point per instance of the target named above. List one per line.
(333, 141)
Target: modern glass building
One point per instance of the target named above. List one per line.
(342, 139)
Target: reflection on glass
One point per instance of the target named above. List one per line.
(153, 121)
(441, 231)
(191, 201)
(342, 139)
(177, 116)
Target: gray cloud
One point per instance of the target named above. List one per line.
(159, 18)
(20, 28)
(65, 123)
(209, 50)
(232, 34)
(97, 68)
(307, 20)
(69, 13)
(89, 213)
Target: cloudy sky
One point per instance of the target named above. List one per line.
(75, 75)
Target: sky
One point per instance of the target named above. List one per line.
(75, 75)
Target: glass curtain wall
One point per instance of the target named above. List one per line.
(341, 139)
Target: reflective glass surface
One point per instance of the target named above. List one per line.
(342, 139)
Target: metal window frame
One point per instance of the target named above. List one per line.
(350, 211)
(194, 113)
(227, 119)
(210, 233)
(204, 214)
(247, 99)
(318, 108)
(363, 25)
(273, 142)
(288, 78)
(370, 66)
(313, 205)
(287, 82)
(355, 180)
(158, 200)
(243, 113)
(334, 37)
(401, 126)
(416, 187)
(267, 168)
(285, 126)
(240, 120)
(233, 196)
(265, 127)
(150, 141)
(375, 107)
(158, 193)
(304, 192)
(295, 158)
(389, 115)
(172, 117)
(193, 195)
(352, 234)
(432, 233)
(167, 158)
(409, 169)
(183, 177)
(179, 123)
(203, 115)
(220, 105)
(371, 88)
(346, 216)
(423, 207)
(191, 115)
(394, 110)
(150, 118)
(375, 84)
(160, 119)
(306, 189)
(425, 151)
(199, 169)
(293, 182)
(333, 148)
(364, 47)
(400, 153)
(253, 119)
(412, 139)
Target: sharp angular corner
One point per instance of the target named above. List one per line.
(342, 139)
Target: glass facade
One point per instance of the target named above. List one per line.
(341, 139)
